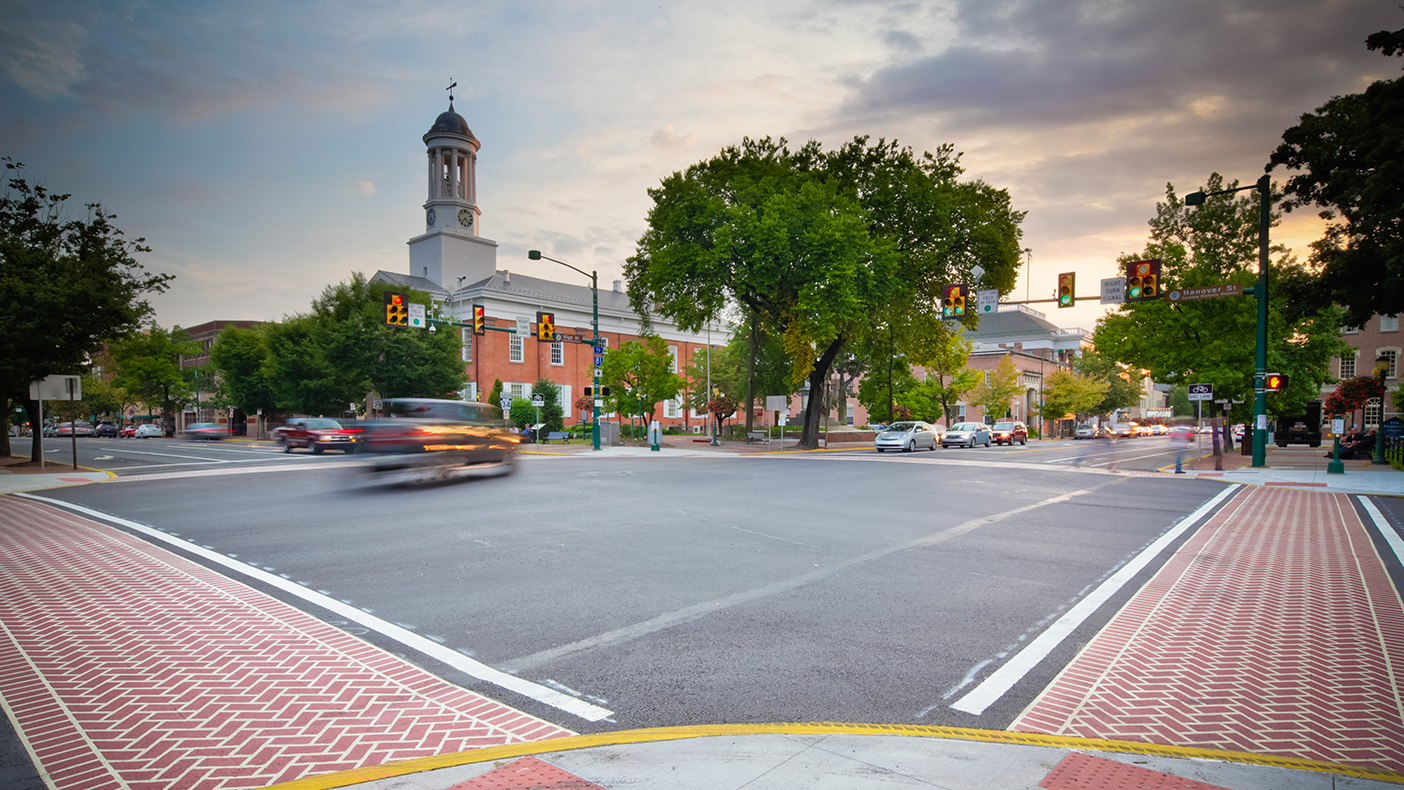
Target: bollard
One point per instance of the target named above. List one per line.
(1336, 467)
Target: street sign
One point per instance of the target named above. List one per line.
(599, 350)
(505, 403)
(523, 326)
(987, 301)
(416, 316)
(599, 360)
(537, 399)
(1205, 292)
(1201, 392)
(57, 387)
(1114, 290)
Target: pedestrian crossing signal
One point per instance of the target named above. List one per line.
(1274, 382)
(1142, 281)
(545, 326)
(479, 320)
(396, 309)
(953, 303)
(1067, 289)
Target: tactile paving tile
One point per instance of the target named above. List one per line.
(1080, 771)
(528, 773)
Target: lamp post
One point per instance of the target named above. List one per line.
(536, 255)
(1381, 368)
(1264, 187)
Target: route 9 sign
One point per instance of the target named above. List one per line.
(1201, 392)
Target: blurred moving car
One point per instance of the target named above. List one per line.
(149, 430)
(1084, 431)
(908, 435)
(1181, 433)
(423, 440)
(967, 434)
(1121, 430)
(203, 431)
(1010, 433)
(75, 428)
(105, 429)
(317, 434)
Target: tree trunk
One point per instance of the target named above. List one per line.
(809, 438)
(751, 378)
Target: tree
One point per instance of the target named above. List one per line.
(1212, 340)
(1349, 158)
(239, 356)
(1124, 384)
(81, 270)
(103, 398)
(1180, 404)
(148, 365)
(816, 249)
(1071, 392)
(640, 374)
(552, 413)
(494, 396)
(996, 389)
(947, 359)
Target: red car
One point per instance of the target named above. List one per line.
(128, 431)
(1010, 433)
(317, 434)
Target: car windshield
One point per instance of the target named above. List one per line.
(901, 427)
(966, 426)
(1004, 426)
(322, 425)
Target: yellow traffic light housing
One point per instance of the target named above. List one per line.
(953, 303)
(1142, 281)
(545, 326)
(396, 309)
(479, 320)
(1067, 289)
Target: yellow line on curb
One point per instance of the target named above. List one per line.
(625, 737)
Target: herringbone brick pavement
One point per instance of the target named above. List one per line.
(1275, 629)
(127, 666)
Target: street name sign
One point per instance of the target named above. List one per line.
(1201, 392)
(1114, 290)
(1205, 292)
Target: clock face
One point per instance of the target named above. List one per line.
(465, 218)
(431, 217)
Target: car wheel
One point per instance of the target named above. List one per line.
(1023, 442)
(316, 448)
(907, 448)
(350, 448)
(880, 450)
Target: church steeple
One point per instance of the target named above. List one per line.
(452, 204)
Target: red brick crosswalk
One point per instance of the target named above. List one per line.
(126, 666)
(1275, 629)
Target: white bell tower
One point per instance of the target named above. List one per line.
(450, 247)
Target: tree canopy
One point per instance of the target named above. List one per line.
(996, 389)
(148, 365)
(640, 374)
(1349, 159)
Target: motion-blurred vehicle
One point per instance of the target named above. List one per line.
(75, 428)
(317, 434)
(1159, 430)
(1085, 431)
(967, 434)
(203, 432)
(149, 430)
(1010, 433)
(1237, 433)
(105, 429)
(908, 435)
(424, 440)
(1121, 430)
(1181, 433)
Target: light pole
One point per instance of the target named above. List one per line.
(536, 255)
(1264, 187)
(1381, 368)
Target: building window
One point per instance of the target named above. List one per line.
(515, 349)
(1350, 330)
(467, 337)
(518, 390)
(671, 408)
(1348, 365)
(1393, 355)
(567, 405)
(1389, 323)
(1372, 413)
(960, 412)
(673, 356)
(557, 353)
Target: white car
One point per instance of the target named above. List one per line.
(967, 434)
(1084, 432)
(908, 435)
(149, 430)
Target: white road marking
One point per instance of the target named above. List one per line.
(1396, 544)
(177, 455)
(404, 636)
(1003, 679)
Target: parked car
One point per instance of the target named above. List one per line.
(75, 428)
(203, 431)
(105, 429)
(1085, 431)
(127, 431)
(967, 434)
(908, 435)
(149, 430)
(317, 434)
(1010, 433)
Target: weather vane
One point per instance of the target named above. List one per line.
(450, 90)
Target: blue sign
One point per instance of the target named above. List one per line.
(598, 351)
(1393, 427)
(599, 360)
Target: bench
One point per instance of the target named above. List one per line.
(757, 436)
(564, 436)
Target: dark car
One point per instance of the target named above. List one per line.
(203, 431)
(422, 439)
(105, 429)
(317, 434)
(1010, 433)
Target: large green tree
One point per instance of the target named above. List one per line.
(1125, 384)
(1071, 392)
(1348, 158)
(996, 389)
(148, 367)
(640, 375)
(66, 287)
(238, 355)
(1212, 340)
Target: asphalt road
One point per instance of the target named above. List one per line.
(834, 586)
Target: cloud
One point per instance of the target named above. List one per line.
(42, 56)
(365, 188)
(669, 140)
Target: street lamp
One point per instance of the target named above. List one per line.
(1264, 187)
(536, 255)
(1382, 363)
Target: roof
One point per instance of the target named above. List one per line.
(411, 282)
(1008, 325)
(528, 289)
(450, 124)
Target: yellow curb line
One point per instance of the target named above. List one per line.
(625, 737)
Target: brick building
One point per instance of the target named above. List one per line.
(1379, 338)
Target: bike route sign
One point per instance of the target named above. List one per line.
(1201, 392)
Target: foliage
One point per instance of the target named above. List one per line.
(494, 396)
(1071, 392)
(523, 414)
(1352, 394)
(239, 355)
(66, 287)
(1349, 158)
(1124, 385)
(103, 398)
(148, 365)
(1180, 404)
(552, 411)
(996, 388)
(721, 407)
(1212, 340)
(893, 379)
(946, 359)
(817, 249)
(640, 374)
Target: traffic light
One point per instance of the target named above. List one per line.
(479, 320)
(1067, 289)
(1142, 281)
(953, 305)
(396, 309)
(590, 392)
(545, 326)
(1274, 382)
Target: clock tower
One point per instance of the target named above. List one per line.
(451, 251)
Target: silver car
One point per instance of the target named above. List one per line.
(967, 434)
(908, 435)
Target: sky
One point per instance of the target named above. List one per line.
(266, 150)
